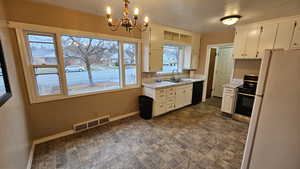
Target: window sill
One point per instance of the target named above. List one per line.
(43, 99)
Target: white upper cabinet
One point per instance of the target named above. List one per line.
(191, 56)
(240, 41)
(296, 38)
(252, 40)
(267, 38)
(284, 34)
(246, 41)
(153, 49)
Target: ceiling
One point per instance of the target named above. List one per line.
(193, 15)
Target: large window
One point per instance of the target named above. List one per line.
(64, 65)
(172, 56)
(90, 64)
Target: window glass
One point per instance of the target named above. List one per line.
(42, 52)
(130, 51)
(47, 81)
(90, 64)
(171, 55)
(2, 84)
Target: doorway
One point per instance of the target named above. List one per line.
(218, 69)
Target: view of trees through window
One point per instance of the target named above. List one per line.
(171, 55)
(90, 64)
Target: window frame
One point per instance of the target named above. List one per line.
(180, 58)
(22, 29)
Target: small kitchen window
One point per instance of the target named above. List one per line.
(172, 59)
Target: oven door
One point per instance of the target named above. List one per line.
(244, 104)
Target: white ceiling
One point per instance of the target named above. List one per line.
(193, 15)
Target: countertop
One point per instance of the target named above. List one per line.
(162, 84)
(234, 83)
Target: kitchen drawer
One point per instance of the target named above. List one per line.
(160, 94)
(170, 106)
(229, 90)
(171, 94)
(170, 100)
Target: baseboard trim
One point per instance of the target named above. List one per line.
(30, 158)
(69, 132)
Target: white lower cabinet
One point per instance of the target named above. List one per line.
(228, 100)
(169, 98)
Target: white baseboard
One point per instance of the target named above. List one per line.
(69, 132)
(31, 153)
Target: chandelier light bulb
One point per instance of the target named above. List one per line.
(136, 11)
(108, 10)
(146, 20)
(110, 20)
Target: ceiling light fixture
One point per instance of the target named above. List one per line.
(125, 21)
(230, 20)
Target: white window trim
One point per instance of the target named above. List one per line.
(180, 64)
(22, 28)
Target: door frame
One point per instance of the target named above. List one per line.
(215, 68)
(206, 70)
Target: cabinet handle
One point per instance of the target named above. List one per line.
(295, 44)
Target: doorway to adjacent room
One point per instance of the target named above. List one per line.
(218, 69)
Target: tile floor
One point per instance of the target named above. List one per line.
(195, 137)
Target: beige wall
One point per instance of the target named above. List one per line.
(15, 140)
(241, 67)
(57, 116)
(211, 39)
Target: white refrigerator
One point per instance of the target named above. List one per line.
(273, 140)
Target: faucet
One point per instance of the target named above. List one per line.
(173, 78)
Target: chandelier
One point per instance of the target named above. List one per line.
(125, 21)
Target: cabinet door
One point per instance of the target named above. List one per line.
(179, 97)
(284, 35)
(155, 60)
(240, 41)
(296, 38)
(252, 41)
(227, 103)
(267, 38)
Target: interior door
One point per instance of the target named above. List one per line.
(223, 70)
(212, 61)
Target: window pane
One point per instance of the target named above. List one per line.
(40, 38)
(129, 53)
(130, 75)
(2, 84)
(91, 64)
(47, 81)
(43, 53)
(170, 58)
(130, 63)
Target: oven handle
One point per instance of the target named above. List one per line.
(245, 94)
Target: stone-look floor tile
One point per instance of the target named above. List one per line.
(194, 137)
